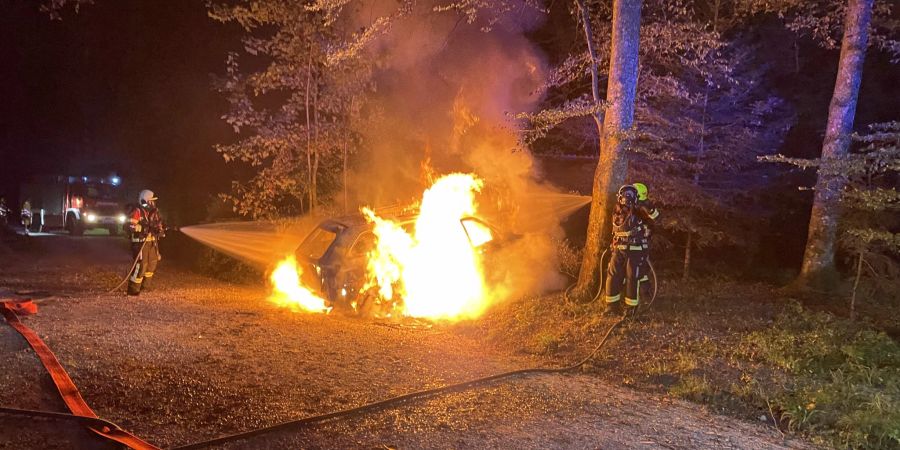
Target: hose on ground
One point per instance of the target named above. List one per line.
(90, 421)
(602, 274)
(133, 265)
(307, 421)
(655, 284)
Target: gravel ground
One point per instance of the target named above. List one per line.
(195, 358)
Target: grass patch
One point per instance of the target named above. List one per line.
(693, 388)
(844, 379)
(741, 348)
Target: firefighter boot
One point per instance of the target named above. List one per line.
(630, 310)
(613, 309)
(134, 288)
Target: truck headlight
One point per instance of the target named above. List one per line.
(121, 218)
(91, 217)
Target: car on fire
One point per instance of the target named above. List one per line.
(333, 256)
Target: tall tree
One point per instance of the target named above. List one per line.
(293, 112)
(617, 121)
(818, 258)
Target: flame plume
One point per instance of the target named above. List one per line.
(290, 292)
(435, 269)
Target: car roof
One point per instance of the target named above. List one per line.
(358, 220)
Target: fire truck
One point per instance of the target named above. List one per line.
(75, 203)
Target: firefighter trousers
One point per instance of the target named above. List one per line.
(147, 255)
(625, 270)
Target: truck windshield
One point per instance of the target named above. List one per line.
(100, 191)
(316, 244)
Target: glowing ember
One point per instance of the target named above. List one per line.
(436, 270)
(289, 291)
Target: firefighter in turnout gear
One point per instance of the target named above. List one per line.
(145, 228)
(4, 213)
(631, 227)
(26, 215)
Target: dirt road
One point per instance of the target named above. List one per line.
(195, 358)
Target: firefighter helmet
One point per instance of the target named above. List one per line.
(627, 195)
(146, 196)
(641, 191)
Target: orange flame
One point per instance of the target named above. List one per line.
(436, 269)
(289, 290)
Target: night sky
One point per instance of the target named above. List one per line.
(120, 86)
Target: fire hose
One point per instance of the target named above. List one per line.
(133, 265)
(105, 428)
(381, 404)
(67, 389)
(603, 274)
(451, 388)
(83, 413)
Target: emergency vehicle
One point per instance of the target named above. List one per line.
(75, 203)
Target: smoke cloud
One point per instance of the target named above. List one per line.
(446, 91)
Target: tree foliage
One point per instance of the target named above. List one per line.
(54, 8)
(704, 114)
(292, 110)
(868, 231)
(822, 20)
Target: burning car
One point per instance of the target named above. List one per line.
(335, 257)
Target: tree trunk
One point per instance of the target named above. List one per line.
(859, 265)
(818, 259)
(344, 175)
(617, 120)
(686, 274)
(592, 52)
(316, 147)
(701, 144)
(701, 149)
(309, 176)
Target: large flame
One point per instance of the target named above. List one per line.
(289, 290)
(435, 269)
(431, 269)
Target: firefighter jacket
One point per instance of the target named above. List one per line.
(648, 215)
(145, 224)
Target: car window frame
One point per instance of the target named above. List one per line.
(350, 251)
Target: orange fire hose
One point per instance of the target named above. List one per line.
(83, 413)
(109, 430)
(67, 390)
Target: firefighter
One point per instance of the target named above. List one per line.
(145, 228)
(26, 215)
(4, 212)
(628, 250)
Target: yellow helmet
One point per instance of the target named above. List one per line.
(641, 190)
